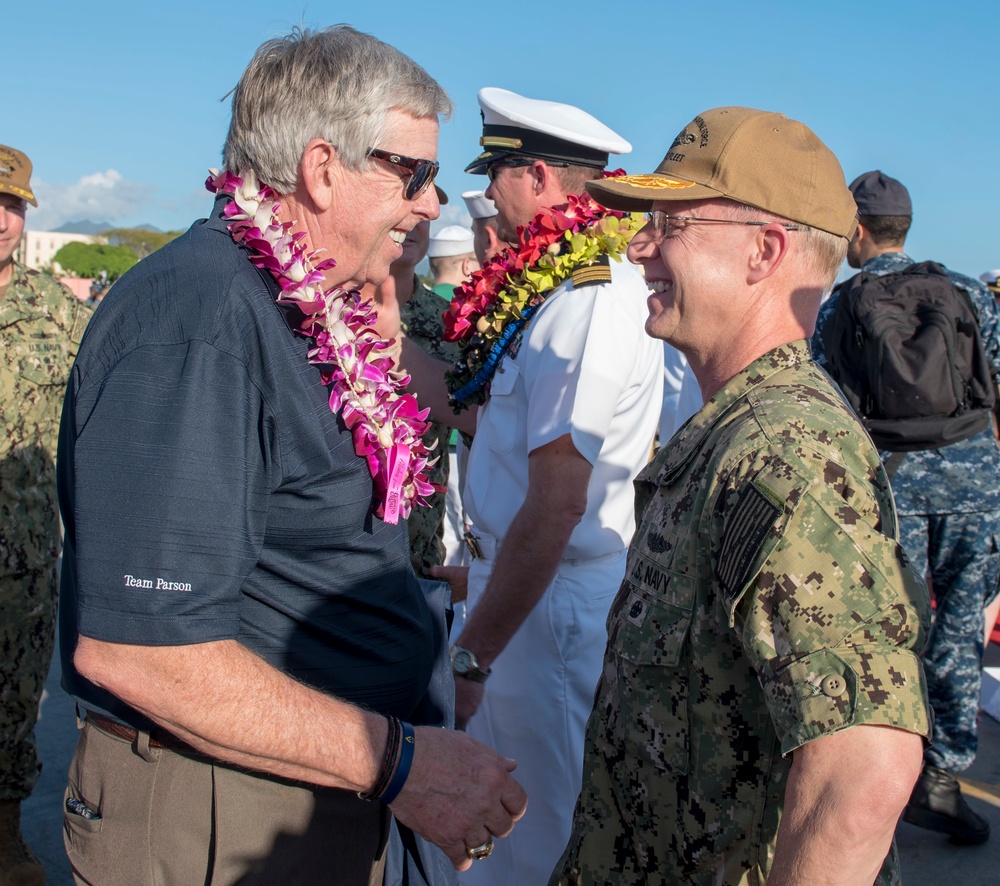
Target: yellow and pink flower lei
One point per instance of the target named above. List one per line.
(365, 388)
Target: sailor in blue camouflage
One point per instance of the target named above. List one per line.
(766, 603)
(41, 324)
(421, 320)
(948, 501)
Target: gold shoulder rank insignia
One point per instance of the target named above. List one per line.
(593, 271)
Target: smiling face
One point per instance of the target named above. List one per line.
(695, 274)
(370, 217)
(415, 246)
(12, 211)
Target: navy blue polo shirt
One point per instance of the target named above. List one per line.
(209, 493)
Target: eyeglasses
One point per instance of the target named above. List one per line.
(665, 225)
(421, 172)
(497, 165)
(491, 170)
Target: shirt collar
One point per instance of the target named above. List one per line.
(689, 439)
(886, 261)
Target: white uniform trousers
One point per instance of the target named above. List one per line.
(535, 710)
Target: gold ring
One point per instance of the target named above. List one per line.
(484, 850)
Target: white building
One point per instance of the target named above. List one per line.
(39, 247)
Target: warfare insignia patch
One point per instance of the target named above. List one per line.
(746, 529)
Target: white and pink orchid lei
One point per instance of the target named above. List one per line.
(364, 386)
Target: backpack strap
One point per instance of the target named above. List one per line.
(892, 464)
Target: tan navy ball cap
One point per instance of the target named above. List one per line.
(15, 174)
(755, 157)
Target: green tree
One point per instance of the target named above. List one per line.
(89, 259)
(139, 240)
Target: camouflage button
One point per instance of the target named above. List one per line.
(833, 686)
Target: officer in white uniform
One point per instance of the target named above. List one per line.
(569, 423)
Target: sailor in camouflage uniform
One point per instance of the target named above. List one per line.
(41, 323)
(762, 705)
(948, 501)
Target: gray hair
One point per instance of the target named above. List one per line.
(826, 251)
(336, 84)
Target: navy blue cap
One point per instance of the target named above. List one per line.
(878, 194)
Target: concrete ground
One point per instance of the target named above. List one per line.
(928, 859)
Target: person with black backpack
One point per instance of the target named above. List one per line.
(916, 350)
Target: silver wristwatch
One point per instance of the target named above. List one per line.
(465, 665)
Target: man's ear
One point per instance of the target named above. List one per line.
(318, 171)
(493, 239)
(541, 175)
(469, 266)
(861, 236)
(770, 246)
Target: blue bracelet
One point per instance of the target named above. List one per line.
(403, 769)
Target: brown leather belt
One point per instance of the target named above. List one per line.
(158, 738)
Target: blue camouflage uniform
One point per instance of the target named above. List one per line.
(948, 501)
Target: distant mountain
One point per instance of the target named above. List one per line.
(83, 227)
(90, 227)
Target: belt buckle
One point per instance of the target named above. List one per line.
(472, 543)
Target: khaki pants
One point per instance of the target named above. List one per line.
(167, 819)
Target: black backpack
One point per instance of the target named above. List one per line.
(906, 350)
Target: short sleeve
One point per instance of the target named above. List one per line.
(584, 348)
(828, 608)
(171, 465)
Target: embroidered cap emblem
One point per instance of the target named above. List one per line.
(653, 181)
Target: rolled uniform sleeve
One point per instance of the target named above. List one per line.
(829, 611)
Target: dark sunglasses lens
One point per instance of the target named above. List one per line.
(422, 175)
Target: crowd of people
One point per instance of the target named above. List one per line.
(673, 623)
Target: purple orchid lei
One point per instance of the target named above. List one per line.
(365, 388)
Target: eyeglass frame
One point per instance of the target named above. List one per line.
(515, 161)
(416, 167)
(660, 220)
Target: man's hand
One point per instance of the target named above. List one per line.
(468, 698)
(459, 793)
(457, 577)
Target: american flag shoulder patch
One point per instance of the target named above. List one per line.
(746, 528)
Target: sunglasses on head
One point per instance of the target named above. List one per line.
(421, 172)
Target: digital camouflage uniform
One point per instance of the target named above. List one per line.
(41, 324)
(765, 603)
(948, 501)
(422, 323)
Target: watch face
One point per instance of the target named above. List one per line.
(462, 662)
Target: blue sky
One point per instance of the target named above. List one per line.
(119, 104)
